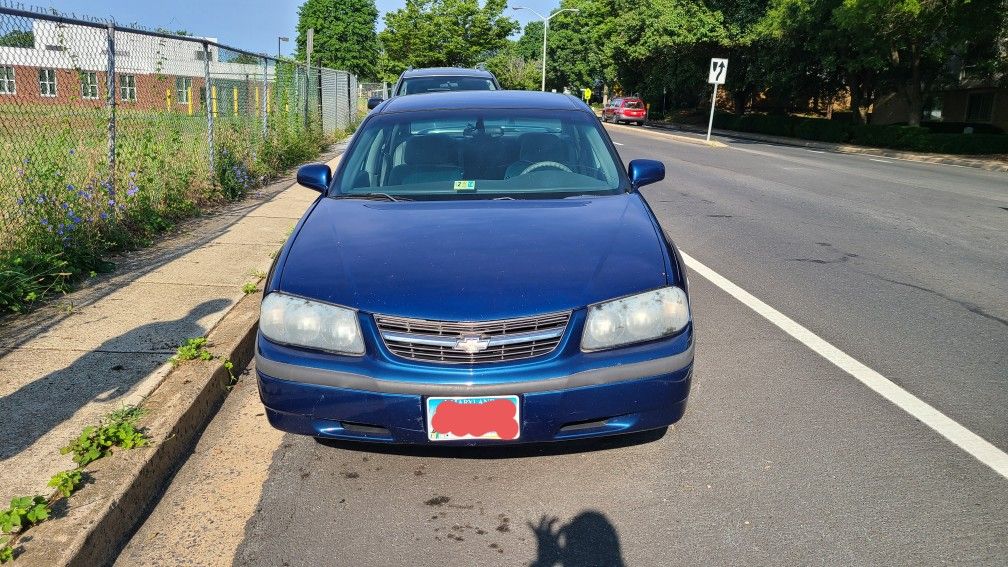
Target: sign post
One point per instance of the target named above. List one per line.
(716, 76)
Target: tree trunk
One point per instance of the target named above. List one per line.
(857, 101)
(915, 98)
(740, 100)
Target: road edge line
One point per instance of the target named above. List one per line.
(981, 449)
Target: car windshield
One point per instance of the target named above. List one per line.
(481, 153)
(417, 85)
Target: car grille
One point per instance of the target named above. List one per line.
(481, 342)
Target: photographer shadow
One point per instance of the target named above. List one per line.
(588, 540)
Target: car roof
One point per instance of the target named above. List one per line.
(482, 99)
(443, 71)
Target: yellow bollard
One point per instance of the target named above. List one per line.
(167, 99)
(213, 99)
(257, 100)
(268, 106)
(234, 99)
(190, 101)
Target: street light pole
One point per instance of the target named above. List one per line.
(546, 21)
(279, 39)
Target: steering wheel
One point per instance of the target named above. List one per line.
(544, 164)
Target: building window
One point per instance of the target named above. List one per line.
(980, 107)
(7, 80)
(89, 84)
(47, 82)
(182, 88)
(127, 87)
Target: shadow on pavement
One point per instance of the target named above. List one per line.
(38, 407)
(588, 539)
(511, 451)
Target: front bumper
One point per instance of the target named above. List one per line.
(567, 394)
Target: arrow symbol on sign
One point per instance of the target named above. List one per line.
(718, 66)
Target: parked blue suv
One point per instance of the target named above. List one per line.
(479, 269)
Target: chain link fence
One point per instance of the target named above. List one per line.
(109, 135)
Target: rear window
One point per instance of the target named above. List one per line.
(418, 85)
(633, 104)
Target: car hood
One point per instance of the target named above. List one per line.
(474, 260)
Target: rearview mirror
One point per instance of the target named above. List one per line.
(644, 172)
(373, 102)
(315, 176)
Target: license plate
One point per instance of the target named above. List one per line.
(487, 417)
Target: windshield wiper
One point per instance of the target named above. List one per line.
(374, 196)
(504, 198)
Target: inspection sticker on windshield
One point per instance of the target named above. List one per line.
(487, 417)
(465, 185)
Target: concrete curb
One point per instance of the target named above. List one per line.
(944, 159)
(102, 516)
(665, 134)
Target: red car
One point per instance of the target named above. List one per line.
(625, 109)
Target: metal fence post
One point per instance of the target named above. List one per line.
(265, 88)
(208, 103)
(110, 102)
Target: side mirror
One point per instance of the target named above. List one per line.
(373, 102)
(315, 176)
(645, 172)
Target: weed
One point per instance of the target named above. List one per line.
(250, 288)
(6, 550)
(257, 273)
(192, 349)
(24, 512)
(118, 429)
(230, 368)
(66, 482)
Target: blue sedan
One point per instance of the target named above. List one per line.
(479, 269)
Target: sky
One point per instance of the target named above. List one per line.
(252, 25)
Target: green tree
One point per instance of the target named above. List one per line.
(432, 33)
(513, 70)
(345, 36)
(17, 38)
(921, 37)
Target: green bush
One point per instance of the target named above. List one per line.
(822, 130)
(61, 215)
(897, 137)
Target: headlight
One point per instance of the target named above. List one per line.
(635, 319)
(297, 321)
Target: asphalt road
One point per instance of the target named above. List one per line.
(782, 458)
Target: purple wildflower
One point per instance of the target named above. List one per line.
(111, 202)
(132, 190)
(72, 152)
(20, 172)
(20, 201)
(103, 216)
(40, 199)
(70, 187)
(44, 222)
(132, 175)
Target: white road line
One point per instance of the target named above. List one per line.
(879, 160)
(983, 450)
(816, 151)
(618, 144)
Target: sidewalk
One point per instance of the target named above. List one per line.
(992, 163)
(74, 360)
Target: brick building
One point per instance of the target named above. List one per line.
(67, 64)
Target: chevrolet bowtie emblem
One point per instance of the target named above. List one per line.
(472, 345)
